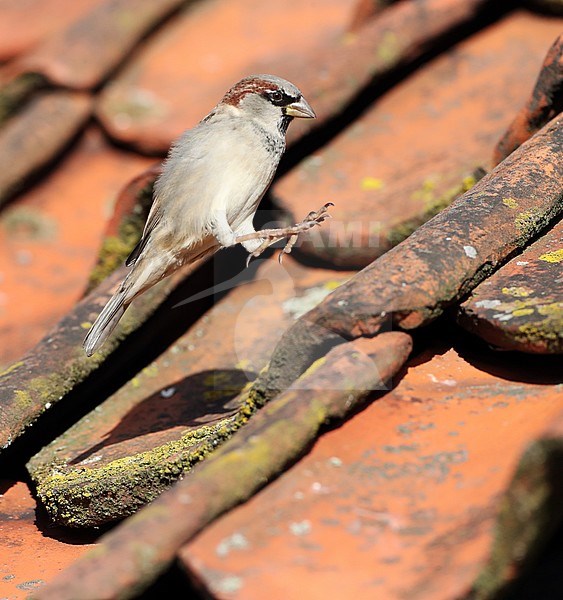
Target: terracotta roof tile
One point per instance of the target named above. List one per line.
(418, 146)
(185, 70)
(445, 483)
(49, 239)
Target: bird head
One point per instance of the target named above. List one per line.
(269, 100)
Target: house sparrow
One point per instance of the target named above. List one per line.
(212, 182)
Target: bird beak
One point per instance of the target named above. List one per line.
(300, 109)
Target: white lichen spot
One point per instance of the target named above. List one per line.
(227, 585)
(300, 528)
(487, 303)
(318, 488)
(522, 263)
(91, 459)
(448, 382)
(168, 392)
(334, 461)
(299, 305)
(470, 251)
(236, 541)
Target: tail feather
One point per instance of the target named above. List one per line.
(105, 323)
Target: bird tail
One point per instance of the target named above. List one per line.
(106, 322)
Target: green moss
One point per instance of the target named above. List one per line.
(86, 497)
(112, 255)
(529, 221)
(547, 330)
(15, 93)
(116, 249)
(433, 204)
(82, 497)
(529, 513)
(11, 368)
(389, 48)
(402, 231)
(24, 223)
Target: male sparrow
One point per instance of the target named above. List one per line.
(212, 182)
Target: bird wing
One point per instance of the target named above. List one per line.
(155, 215)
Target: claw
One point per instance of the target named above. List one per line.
(271, 236)
(288, 247)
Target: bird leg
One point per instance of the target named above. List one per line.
(271, 236)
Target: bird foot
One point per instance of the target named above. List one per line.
(271, 236)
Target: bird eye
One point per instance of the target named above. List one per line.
(276, 96)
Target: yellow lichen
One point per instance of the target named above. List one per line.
(389, 47)
(522, 312)
(527, 221)
(371, 183)
(11, 368)
(332, 284)
(151, 370)
(349, 38)
(552, 310)
(510, 202)
(552, 257)
(243, 364)
(517, 291)
(468, 182)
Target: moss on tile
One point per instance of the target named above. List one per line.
(77, 496)
(86, 497)
(17, 92)
(529, 514)
(389, 48)
(529, 222)
(433, 204)
(116, 248)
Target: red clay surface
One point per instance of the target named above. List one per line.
(49, 16)
(185, 70)
(50, 237)
(30, 555)
(400, 501)
(396, 503)
(418, 142)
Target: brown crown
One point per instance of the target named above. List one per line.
(250, 85)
